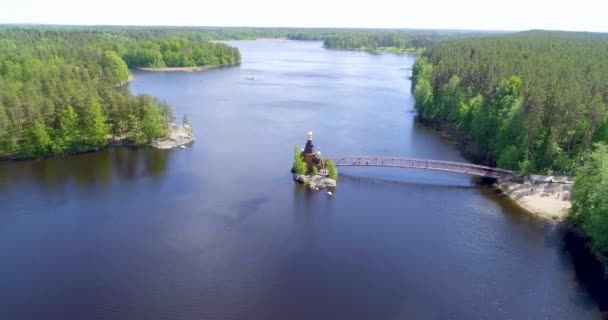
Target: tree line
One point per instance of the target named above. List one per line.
(371, 41)
(338, 38)
(179, 52)
(60, 89)
(533, 101)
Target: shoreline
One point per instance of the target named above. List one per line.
(378, 50)
(549, 201)
(186, 69)
(176, 137)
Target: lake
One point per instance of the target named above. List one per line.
(220, 231)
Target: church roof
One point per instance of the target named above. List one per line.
(309, 148)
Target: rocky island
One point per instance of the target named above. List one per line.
(310, 169)
(176, 136)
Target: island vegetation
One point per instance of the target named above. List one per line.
(332, 171)
(299, 166)
(61, 93)
(311, 176)
(180, 52)
(395, 42)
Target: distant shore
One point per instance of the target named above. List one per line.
(379, 50)
(186, 69)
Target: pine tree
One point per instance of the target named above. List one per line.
(94, 126)
(36, 141)
(67, 133)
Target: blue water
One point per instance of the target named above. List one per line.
(220, 231)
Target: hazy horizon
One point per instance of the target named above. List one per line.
(465, 15)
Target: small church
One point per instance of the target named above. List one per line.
(312, 157)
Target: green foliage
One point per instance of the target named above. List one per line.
(180, 52)
(423, 91)
(526, 167)
(67, 134)
(509, 157)
(153, 126)
(299, 166)
(94, 127)
(314, 171)
(332, 171)
(589, 202)
(373, 40)
(135, 132)
(60, 84)
(114, 67)
(36, 141)
(526, 99)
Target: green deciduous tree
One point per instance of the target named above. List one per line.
(36, 141)
(94, 127)
(589, 202)
(114, 67)
(153, 123)
(299, 166)
(332, 171)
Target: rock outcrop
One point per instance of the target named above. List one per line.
(315, 182)
(178, 136)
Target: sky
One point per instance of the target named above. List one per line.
(579, 15)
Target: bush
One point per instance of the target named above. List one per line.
(332, 172)
(299, 166)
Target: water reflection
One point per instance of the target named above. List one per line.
(589, 272)
(90, 169)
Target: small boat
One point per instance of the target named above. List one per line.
(329, 193)
(250, 77)
(182, 147)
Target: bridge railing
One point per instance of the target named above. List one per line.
(416, 163)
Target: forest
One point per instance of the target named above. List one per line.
(373, 41)
(533, 101)
(61, 89)
(333, 38)
(61, 86)
(179, 52)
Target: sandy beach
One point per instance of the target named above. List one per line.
(547, 200)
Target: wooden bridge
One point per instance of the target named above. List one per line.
(426, 164)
